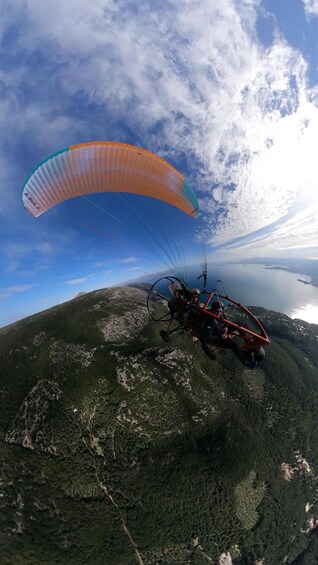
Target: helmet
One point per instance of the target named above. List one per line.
(259, 354)
(195, 291)
(217, 305)
(254, 355)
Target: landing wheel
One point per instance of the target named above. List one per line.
(161, 292)
(257, 354)
(165, 336)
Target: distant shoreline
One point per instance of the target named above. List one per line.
(312, 281)
(296, 269)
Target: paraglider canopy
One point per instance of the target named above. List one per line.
(94, 167)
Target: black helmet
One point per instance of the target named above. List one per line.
(217, 305)
(195, 291)
(254, 355)
(259, 354)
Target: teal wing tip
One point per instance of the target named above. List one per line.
(42, 163)
(191, 197)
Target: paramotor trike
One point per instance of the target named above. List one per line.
(171, 302)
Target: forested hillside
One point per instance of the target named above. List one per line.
(117, 448)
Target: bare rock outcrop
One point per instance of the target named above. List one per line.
(28, 428)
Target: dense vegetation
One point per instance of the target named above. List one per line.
(117, 448)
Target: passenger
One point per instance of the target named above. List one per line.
(217, 333)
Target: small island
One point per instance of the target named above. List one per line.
(313, 281)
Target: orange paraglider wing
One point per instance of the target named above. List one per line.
(105, 167)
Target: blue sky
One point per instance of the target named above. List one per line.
(227, 92)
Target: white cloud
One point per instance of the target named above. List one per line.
(311, 7)
(29, 256)
(122, 261)
(79, 280)
(299, 233)
(267, 151)
(102, 264)
(133, 269)
(145, 65)
(8, 191)
(127, 260)
(12, 290)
